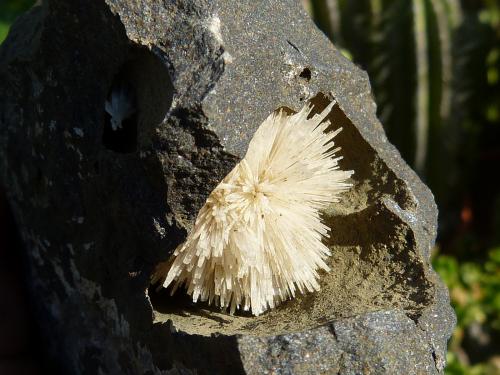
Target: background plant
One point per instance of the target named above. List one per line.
(9, 10)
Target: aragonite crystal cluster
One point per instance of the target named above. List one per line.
(258, 240)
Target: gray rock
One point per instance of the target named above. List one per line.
(99, 203)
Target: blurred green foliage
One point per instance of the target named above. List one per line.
(434, 67)
(474, 295)
(474, 288)
(9, 10)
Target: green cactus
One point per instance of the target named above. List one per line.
(406, 48)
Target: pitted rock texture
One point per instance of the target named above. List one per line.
(98, 208)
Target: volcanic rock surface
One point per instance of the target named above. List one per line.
(99, 206)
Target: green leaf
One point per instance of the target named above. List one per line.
(4, 30)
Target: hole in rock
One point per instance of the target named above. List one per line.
(306, 74)
(139, 98)
(371, 259)
(181, 302)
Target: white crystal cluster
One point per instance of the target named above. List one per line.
(257, 241)
(120, 107)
